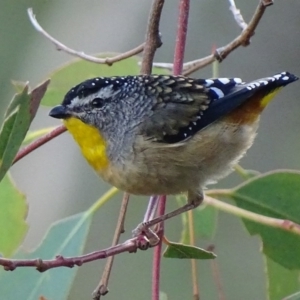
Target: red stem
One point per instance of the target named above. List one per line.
(39, 142)
(184, 7)
(157, 251)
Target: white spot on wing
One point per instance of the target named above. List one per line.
(237, 80)
(219, 93)
(224, 80)
(264, 82)
(285, 78)
(209, 82)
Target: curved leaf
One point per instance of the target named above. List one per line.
(66, 237)
(276, 195)
(13, 212)
(175, 250)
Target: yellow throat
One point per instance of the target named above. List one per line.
(90, 141)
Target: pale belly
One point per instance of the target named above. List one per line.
(207, 157)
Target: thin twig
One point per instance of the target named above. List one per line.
(286, 225)
(157, 251)
(102, 288)
(151, 208)
(39, 142)
(196, 291)
(153, 40)
(216, 274)
(184, 7)
(237, 15)
(241, 40)
(221, 53)
(61, 47)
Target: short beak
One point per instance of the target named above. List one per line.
(59, 112)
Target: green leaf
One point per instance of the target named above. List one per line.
(18, 117)
(12, 217)
(205, 221)
(66, 237)
(281, 282)
(19, 85)
(274, 195)
(79, 70)
(176, 250)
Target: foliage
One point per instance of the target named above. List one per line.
(268, 203)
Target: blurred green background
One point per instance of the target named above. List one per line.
(59, 183)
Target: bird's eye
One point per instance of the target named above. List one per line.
(97, 102)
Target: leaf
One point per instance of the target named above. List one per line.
(281, 282)
(18, 117)
(79, 70)
(176, 250)
(12, 217)
(276, 195)
(205, 221)
(19, 85)
(66, 237)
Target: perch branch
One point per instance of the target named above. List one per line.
(130, 246)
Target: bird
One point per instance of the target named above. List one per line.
(164, 134)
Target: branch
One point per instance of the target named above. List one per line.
(184, 7)
(191, 224)
(237, 15)
(39, 142)
(156, 264)
(242, 40)
(61, 47)
(102, 288)
(216, 274)
(130, 246)
(153, 40)
(221, 53)
(286, 225)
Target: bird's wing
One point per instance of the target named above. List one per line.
(184, 106)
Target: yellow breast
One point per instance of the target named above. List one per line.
(89, 139)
